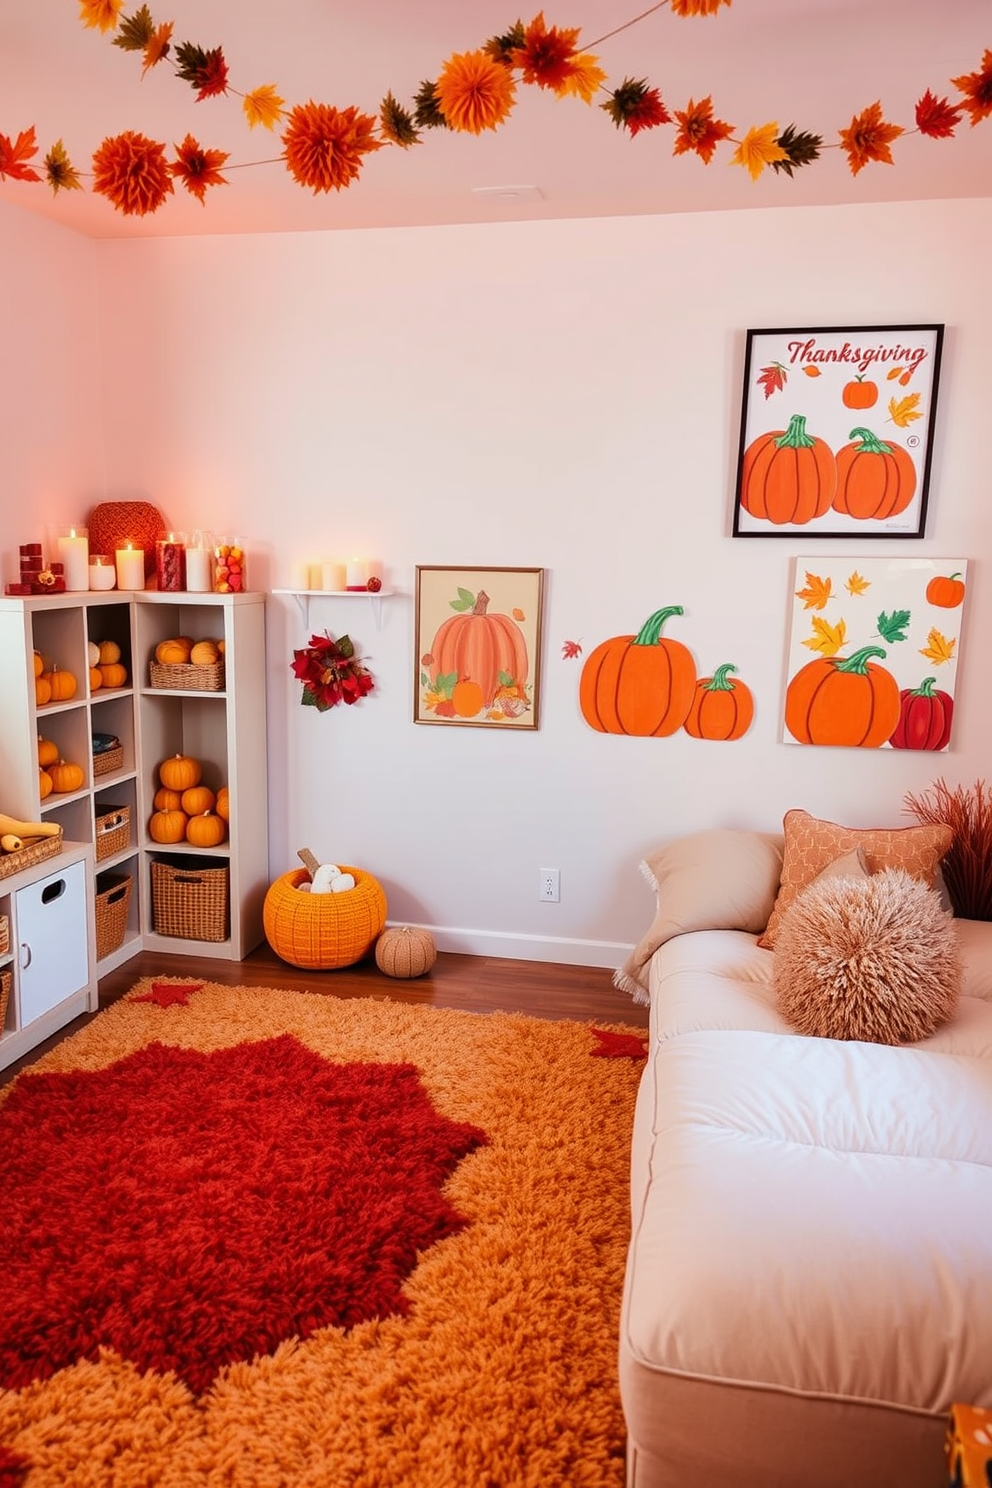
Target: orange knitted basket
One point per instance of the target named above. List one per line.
(320, 932)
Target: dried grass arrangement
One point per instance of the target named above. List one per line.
(967, 865)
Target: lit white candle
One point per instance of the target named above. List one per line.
(74, 555)
(102, 574)
(299, 576)
(332, 575)
(130, 567)
(315, 576)
(357, 573)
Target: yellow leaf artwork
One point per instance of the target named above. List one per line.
(902, 411)
(817, 592)
(938, 649)
(856, 584)
(759, 148)
(263, 106)
(827, 639)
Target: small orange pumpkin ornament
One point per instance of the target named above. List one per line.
(946, 591)
(66, 776)
(875, 480)
(204, 653)
(206, 830)
(641, 684)
(62, 684)
(405, 951)
(788, 476)
(172, 653)
(167, 826)
(180, 772)
(167, 800)
(197, 799)
(847, 702)
(39, 663)
(114, 674)
(721, 709)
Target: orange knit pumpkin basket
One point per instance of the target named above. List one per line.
(320, 932)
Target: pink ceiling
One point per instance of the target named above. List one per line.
(812, 63)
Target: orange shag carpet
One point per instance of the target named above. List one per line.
(262, 1238)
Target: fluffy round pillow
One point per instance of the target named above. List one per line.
(874, 959)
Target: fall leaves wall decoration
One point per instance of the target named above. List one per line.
(324, 145)
(836, 431)
(885, 649)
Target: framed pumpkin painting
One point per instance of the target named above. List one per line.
(478, 646)
(836, 435)
(874, 650)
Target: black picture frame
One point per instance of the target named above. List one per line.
(855, 405)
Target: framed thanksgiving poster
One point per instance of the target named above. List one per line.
(478, 646)
(837, 431)
(873, 652)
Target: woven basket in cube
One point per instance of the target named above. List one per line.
(320, 932)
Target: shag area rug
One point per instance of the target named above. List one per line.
(259, 1238)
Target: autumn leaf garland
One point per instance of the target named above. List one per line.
(324, 147)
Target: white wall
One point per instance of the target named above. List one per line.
(562, 394)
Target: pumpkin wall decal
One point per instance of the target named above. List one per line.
(639, 684)
(946, 591)
(788, 475)
(924, 718)
(875, 479)
(722, 708)
(841, 701)
(859, 393)
(484, 653)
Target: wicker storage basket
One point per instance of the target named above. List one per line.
(320, 932)
(108, 760)
(4, 934)
(190, 900)
(188, 678)
(27, 857)
(6, 981)
(113, 896)
(113, 831)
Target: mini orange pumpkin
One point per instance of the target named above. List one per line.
(48, 752)
(167, 826)
(45, 786)
(172, 653)
(62, 684)
(42, 691)
(66, 776)
(223, 803)
(39, 664)
(109, 652)
(180, 772)
(167, 800)
(197, 800)
(96, 678)
(113, 674)
(206, 830)
(204, 653)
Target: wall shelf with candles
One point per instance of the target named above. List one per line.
(304, 596)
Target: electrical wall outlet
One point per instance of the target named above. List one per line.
(549, 885)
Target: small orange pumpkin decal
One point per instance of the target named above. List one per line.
(641, 685)
(946, 591)
(721, 709)
(788, 475)
(859, 393)
(847, 702)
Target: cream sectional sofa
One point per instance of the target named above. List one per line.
(809, 1280)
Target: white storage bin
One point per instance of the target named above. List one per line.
(51, 941)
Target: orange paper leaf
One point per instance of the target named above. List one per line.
(817, 592)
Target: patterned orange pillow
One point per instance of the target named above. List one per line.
(810, 844)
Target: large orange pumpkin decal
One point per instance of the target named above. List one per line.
(848, 702)
(874, 480)
(641, 684)
(477, 660)
(788, 476)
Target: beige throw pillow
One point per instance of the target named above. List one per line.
(811, 844)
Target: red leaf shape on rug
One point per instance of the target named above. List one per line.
(13, 1468)
(619, 1045)
(169, 994)
(190, 1210)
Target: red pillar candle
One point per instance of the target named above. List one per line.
(170, 562)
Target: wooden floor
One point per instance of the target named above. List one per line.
(475, 984)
